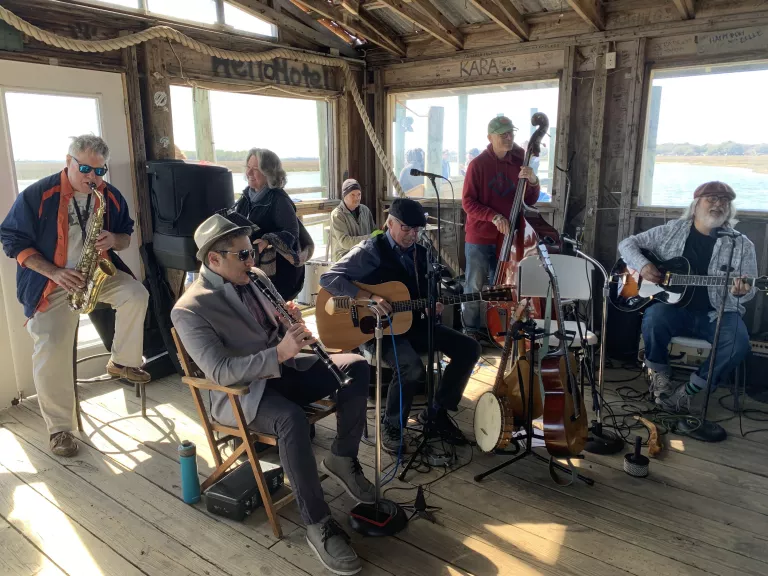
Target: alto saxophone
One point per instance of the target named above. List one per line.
(91, 265)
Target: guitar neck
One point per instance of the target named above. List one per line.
(421, 303)
(684, 280)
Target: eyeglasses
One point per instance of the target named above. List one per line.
(85, 169)
(716, 199)
(405, 228)
(242, 255)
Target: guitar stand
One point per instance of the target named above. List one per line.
(531, 333)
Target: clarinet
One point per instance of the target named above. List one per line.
(277, 301)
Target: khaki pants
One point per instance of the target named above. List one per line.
(53, 333)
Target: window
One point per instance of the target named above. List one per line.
(194, 10)
(445, 129)
(125, 3)
(294, 129)
(706, 123)
(241, 20)
(30, 115)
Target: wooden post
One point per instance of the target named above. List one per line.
(138, 145)
(201, 109)
(649, 154)
(157, 104)
(379, 126)
(551, 155)
(634, 103)
(558, 152)
(220, 20)
(595, 151)
(462, 130)
(399, 137)
(322, 143)
(434, 160)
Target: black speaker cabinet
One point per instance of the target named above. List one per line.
(183, 196)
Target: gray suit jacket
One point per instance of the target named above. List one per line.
(225, 341)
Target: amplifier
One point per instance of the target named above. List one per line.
(759, 347)
(236, 495)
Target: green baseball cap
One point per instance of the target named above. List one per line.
(500, 125)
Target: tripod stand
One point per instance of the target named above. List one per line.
(532, 334)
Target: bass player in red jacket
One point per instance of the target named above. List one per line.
(489, 191)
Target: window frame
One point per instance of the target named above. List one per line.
(667, 212)
(544, 207)
(332, 113)
(218, 26)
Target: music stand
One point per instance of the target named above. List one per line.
(531, 333)
(384, 517)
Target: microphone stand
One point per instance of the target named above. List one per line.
(384, 517)
(601, 441)
(703, 429)
(433, 274)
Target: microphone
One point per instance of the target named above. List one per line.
(727, 232)
(417, 172)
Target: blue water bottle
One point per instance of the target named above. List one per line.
(190, 481)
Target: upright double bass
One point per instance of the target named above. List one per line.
(526, 227)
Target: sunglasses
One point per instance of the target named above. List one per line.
(716, 199)
(242, 255)
(85, 169)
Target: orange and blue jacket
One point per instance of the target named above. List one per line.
(38, 223)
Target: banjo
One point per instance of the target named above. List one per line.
(497, 413)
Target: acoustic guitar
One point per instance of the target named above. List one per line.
(345, 324)
(630, 292)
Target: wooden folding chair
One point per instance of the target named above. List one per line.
(196, 381)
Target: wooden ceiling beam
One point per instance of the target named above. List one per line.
(518, 28)
(436, 17)
(375, 32)
(687, 8)
(426, 23)
(591, 11)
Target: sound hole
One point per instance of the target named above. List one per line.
(368, 324)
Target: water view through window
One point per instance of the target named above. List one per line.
(692, 136)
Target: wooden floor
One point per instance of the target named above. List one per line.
(115, 509)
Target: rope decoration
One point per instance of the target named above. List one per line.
(169, 33)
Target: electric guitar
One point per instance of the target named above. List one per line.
(345, 324)
(630, 292)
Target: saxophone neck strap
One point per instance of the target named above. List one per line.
(82, 217)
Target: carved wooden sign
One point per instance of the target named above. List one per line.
(479, 67)
(712, 43)
(283, 72)
(277, 71)
(739, 40)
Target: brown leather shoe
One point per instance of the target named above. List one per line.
(135, 375)
(63, 444)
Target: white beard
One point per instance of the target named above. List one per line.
(712, 221)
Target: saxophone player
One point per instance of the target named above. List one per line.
(46, 231)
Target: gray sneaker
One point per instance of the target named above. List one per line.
(390, 441)
(63, 444)
(331, 544)
(678, 402)
(348, 472)
(660, 384)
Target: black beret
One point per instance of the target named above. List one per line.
(408, 211)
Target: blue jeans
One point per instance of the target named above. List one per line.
(662, 322)
(480, 267)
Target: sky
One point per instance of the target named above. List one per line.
(706, 109)
(287, 126)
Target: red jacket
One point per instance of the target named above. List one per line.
(489, 189)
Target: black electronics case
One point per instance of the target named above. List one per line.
(236, 495)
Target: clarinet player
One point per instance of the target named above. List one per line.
(236, 336)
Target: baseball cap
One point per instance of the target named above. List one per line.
(500, 125)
